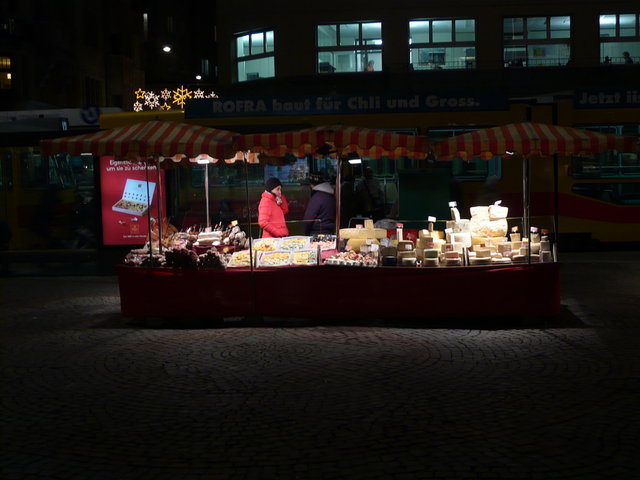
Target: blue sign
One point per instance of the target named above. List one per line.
(343, 104)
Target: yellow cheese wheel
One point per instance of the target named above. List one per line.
(348, 233)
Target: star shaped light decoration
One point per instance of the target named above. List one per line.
(139, 93)
(151, 100)
(180, 95)
(165, 106)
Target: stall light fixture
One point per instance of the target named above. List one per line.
(355, 161)
(510, 152)
(198, 77)
(202, 161)
(166, 49)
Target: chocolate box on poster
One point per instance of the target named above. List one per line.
(135, 198)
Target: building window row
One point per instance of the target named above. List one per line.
(349, 47)
(444, 43)
(255, 55)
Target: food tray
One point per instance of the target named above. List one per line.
(304, 257)
(266, 244)
(277, 258)
(240, 259)
(294, 243)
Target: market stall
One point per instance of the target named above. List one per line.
(489, 264)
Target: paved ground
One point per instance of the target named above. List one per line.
(90, 395)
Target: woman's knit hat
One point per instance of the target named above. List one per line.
(272, 183)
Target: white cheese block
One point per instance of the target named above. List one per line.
(504, 247)
(406, 254)
(453, 262)
(462, 237)
(497, 212)
(545, 246)
(431, 252)
(535, 247)
(408, 261)
(482, 252)
(451, 255)
(480, 261)
(545, 256)
(515, 237)
(500, 260)
(519, 258)
(480, 213)
(430, 262)
(405, 245)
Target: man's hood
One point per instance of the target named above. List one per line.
(323, 187)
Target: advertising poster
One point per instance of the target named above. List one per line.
(129, 192)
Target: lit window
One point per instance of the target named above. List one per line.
(442, 44)
(255, 55)
(349, 47)
(537, 41)
(620, 33)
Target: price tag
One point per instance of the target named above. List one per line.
(234, 223)
(432, 219)
(453, 204)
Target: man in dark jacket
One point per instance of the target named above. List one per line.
(320, 215)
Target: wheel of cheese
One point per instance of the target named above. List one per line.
(349, 233)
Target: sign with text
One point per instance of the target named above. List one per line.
(607, 98)
(343, 104)
(129, 193)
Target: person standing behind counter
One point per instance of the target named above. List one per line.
(320, 215)
(272, 209)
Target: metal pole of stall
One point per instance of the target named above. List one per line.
(556, 200)
(158, 183)
(338, 195)
(526, 220)
(146, 171)
(252, 283)
(206, 192)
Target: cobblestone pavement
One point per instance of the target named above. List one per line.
(90, 395)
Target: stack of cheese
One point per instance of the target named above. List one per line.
(356, 237)
(489, 222)
(429, 246)
(406, 253)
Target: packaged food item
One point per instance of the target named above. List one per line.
(274, 259)
(266, 244)
(304, 257)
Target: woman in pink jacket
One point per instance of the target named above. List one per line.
(272, 209)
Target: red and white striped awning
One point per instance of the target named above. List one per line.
(149, 139)
(367, 142)
(531, 139)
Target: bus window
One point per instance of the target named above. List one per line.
(6, 171)
(611, 164)
(40, 172)
(474, 169)
(608, 164)
(618, 193)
